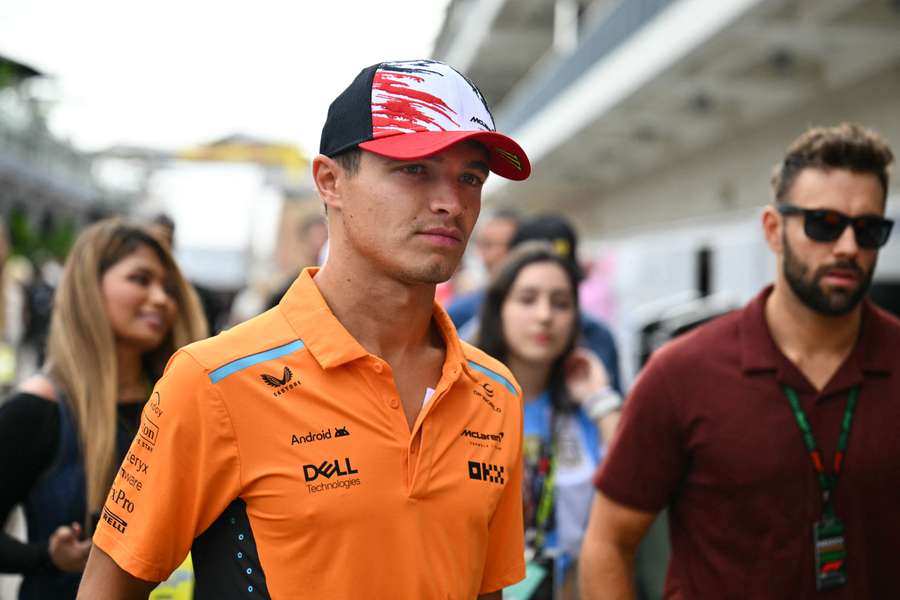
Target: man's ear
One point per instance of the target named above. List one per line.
(773, 225)
(328, 177)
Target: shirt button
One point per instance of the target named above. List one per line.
(395, 403)
(377, 367)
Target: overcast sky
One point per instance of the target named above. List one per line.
(173, 74)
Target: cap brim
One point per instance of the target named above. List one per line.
(507, 159)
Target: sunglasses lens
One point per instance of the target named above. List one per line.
(824, 225)
(872, 233)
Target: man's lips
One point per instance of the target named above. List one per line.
(442, 235)
(841, 277)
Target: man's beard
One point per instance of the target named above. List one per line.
(833, 303)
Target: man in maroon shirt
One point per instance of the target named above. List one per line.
(772, 433)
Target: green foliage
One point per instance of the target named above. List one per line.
(36, 241)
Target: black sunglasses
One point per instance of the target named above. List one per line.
(823, 225)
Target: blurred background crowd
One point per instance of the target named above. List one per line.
(652, 125)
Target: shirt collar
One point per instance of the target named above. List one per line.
(760, 353)
(330, 344)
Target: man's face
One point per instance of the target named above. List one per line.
(831, 278)
(493, 241)
(412, 219)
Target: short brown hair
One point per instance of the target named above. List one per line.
(846, 146)
(349, 160)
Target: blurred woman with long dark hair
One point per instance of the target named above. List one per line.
(529, 321)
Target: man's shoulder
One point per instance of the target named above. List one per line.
(886, 329)
(485, 365)
(888, 323)
(703, 343)
(262, 333)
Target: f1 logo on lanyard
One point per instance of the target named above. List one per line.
(829, 544)
(831, 554)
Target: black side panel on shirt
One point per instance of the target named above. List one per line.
(226, 563)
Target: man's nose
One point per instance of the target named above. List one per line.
(846, 244)
(447, 197)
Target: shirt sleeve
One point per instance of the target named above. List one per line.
(180, 473)
(505, 561)
(647, 458)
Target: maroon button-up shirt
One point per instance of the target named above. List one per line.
(708, 431)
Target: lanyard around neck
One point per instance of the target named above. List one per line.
(827, 482)
(547, 464)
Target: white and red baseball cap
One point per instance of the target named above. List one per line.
(412, 109)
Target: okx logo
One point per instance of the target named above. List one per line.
(329, 469)
(284, 384)
(482, 471)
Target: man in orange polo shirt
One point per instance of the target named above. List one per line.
(344, 444)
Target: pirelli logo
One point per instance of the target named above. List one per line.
(114, 520)
(482, 471)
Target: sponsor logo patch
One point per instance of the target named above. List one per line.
(340, 469)
(283, 385)
(114, 520)
(486, 393)
(148, 434)
(482, 471)
(314, 436)
(120, 498)
(483, 440)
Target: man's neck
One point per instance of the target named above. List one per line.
(815, 343)
(388, 318)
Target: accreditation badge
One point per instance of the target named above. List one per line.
(831, 554)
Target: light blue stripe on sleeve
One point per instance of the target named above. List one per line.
(248, 361)
(495, 376)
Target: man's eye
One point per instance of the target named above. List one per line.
(413, 169)
(471, 179)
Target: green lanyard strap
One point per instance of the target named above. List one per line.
(826, 482)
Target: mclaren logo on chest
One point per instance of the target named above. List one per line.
(283, 385)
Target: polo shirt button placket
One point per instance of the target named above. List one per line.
(395, 402)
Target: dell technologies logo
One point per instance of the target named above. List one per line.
(339, 469)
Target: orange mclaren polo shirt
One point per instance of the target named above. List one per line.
(279, 454)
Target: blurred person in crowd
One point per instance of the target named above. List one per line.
(529, 320)
(313, 238)
(594, 334)
(120, 311)
(492, 239)
(216, 304)
(12, 315)
(770, 433)
(164, 227)
(39, 306)
(326, 435)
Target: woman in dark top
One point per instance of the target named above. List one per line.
(121, 310)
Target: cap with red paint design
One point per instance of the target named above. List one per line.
(412, 109)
